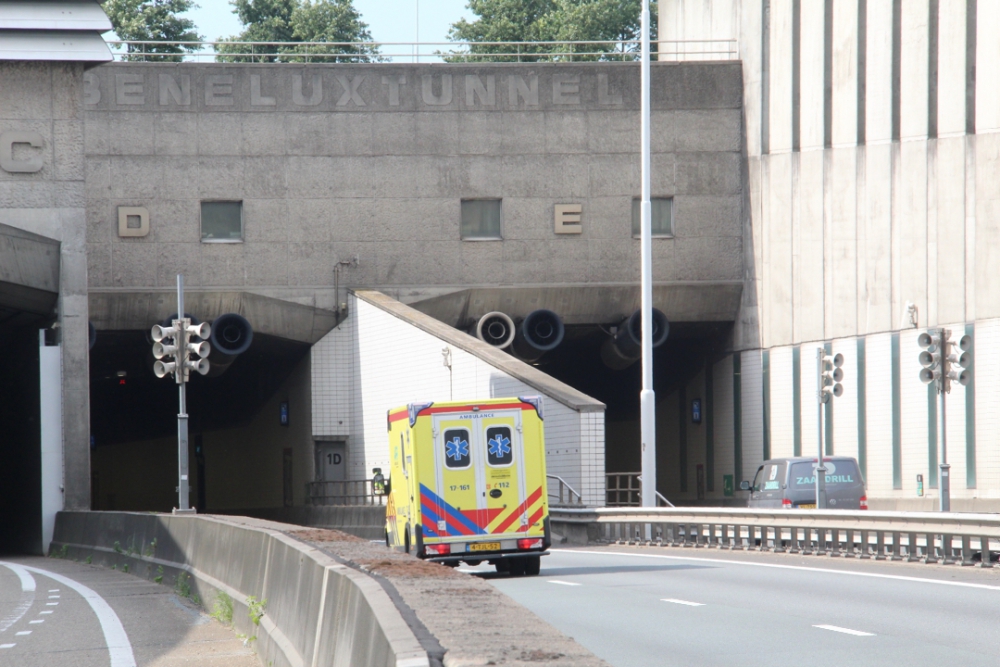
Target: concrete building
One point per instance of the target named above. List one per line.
(872, 145)
(825, 179)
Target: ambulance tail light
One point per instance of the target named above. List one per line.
(438, 549)
(529, 543)
(786, 504)
(864, 502)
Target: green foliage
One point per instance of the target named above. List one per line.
(547, 21)
(150, 550)
(222, 609)
(298, 21)
(256, 609)
(117, 546)
(62, 552)
(125, 568)
(159, 575)
(183, 585)
(153, 20)
(88, 560)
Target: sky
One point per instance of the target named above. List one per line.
(388, 20)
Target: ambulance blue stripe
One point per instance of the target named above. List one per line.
(428, 514)
(452, 512)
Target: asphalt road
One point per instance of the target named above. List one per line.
(684, 607)
(57, 612)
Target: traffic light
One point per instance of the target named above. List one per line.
(931, 358)
(958, 362)
(833, 375)
(184, 343)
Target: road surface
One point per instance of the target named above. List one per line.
(638, 607)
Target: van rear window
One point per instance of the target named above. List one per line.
(838, 473)
(456, 448)
(498, 446)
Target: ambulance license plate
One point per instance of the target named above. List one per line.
(806, 506)
(485, 546)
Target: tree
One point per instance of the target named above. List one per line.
(552, 20)
(328, 21)
(153, 20)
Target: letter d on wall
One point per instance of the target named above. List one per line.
(7, 161)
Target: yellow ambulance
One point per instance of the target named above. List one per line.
(467, 483)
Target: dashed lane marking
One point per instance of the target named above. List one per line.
(22, 633)
(684, 602)
(44, 612)
(34, 622)
(24, 602)
(563, 583)
(119, 648)
(846, 631)
(51, 604)
(7, 645)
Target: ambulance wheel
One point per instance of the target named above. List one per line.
(517, 567)
(406, 541)
(532, 565)
(387, 538)
(502, 565)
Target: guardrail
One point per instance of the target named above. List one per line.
(346, 52)
(349, 492)
(966, 539)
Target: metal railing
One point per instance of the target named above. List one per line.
(303, 52)
(623, 489)
(346, 492)
(966, 539)
(566, 495)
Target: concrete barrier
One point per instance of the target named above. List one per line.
(365, 521)
(319, 612)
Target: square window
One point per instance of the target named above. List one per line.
(456, 448)
(221, 221)
(481, 220)
(661, 218)
(499, 450)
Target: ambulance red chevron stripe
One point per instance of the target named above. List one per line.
(506, 521)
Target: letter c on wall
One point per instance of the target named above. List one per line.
(7, 161)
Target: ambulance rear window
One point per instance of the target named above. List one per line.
(456, 448)
(499, 451)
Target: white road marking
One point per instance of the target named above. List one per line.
(44, 612)
(53, 590)
(7, 645)
(114, 634)
(897, 577)
(563, 583)
(690, 604)
(54, 597)
(22, 633)
(33, 622)
(51, 604)
(846, 631)
(26, 600)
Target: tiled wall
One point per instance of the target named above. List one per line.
(375, 361)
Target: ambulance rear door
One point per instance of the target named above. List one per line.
(452, 508)
(504, 490)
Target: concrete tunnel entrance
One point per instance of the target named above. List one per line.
(29, 291)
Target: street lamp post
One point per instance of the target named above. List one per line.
(647, 398)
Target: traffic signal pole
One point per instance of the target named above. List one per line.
(944, 478)
(647, 398)
(821, 398)
(183, 493)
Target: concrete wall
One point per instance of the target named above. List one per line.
(46, 99)
(386, 355)
(319, 612)
(872, 142)
(334, 162)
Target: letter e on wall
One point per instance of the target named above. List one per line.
(568, 218)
